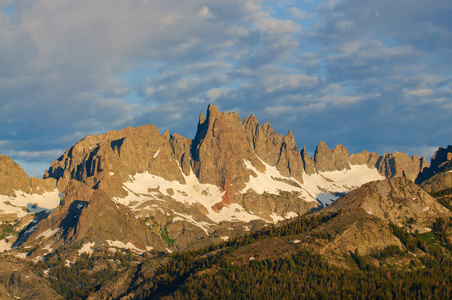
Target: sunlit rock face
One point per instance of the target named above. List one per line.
(140, 189)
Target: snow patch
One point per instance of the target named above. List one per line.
(87, 248)
(169, 250)
(48, 233)
(31, 230)
(369, 211)
(183, 217)
(21, 255)
(266, 182)
(323, 187)
(5, 246)
(224, 238)
(296, 241)
(147, 187)
(23, 203)
(276, 218)
(291, 215)
(157, 153)
(121, 245)
(426, 208)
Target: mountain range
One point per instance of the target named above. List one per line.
(141, 191)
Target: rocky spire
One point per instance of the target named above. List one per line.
(289, 162)
(219, 150)
(308, 163)
(331, 160)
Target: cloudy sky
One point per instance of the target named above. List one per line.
(374, 75)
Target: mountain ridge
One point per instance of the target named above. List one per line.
(234, 176)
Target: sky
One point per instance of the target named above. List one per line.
(373, 75)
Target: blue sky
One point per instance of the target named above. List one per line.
(374, 75)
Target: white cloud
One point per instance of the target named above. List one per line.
(206, 13)
(300, 14)
(34, 154)
(418, 92)
(278, 82)
(213, 94)
(69, 69)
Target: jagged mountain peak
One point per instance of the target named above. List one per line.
(289, 139)
(331, 160)
(233, 172)
(219, 150)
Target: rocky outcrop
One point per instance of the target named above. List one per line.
(13, 178)
(438, 177)
(400, 164)
(290, 163)
(364, 158)
(103, 220)
(327, 160)
(441, 162)
(219, 150)
(397, 200)
(308, 162)
(18, 281)
(274, 149)
(389, 164)
(106, 161)
(363, 215)
(165, 191)
(438, 183)
(88, 215)
(264, 140)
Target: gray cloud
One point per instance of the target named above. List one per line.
(346, 72)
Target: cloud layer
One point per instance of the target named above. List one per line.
(372, 75)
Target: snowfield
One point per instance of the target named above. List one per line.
(24, 203)
(323, 187)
